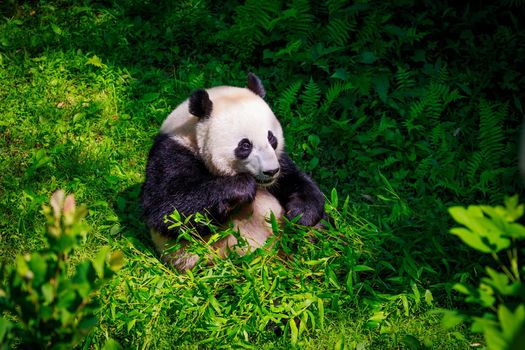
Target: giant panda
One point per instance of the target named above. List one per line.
(221, 153)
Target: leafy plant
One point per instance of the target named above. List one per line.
(494, 230)
(288, 287)
(51, 302)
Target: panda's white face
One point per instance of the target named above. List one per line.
(242, 135)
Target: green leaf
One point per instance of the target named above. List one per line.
(23, 269)
(460, 287)
(513, 210)
(368, 57)
(381, 85)
(87, 323)
(56, 29)
(498, 281)
(294, 332)
(333, 198)
(48, 293)
(467, 217)
(100, 260)
(412, 342)
(150, 97)
(95, 61)
(358, 268)
(404, 301)
(341, 74)
(428, 297)
(274, 223)
(451, 319)
(5, 329)
(83, 278)
(508, 322)
(350, 282)
(339, 345)
(515, 231)
(131, 324)
(495, 339)
(320, 307)
(111, 344)
(332, 278)
(38, 265)
(472, 240)
(116, 261)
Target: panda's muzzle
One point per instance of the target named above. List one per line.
(269, 177)
(271, 173)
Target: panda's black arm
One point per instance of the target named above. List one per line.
(177, 179)
(298, 194)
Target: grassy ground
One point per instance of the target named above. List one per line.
(84, 89)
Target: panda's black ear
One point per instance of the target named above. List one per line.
(200, 104)
(255, 85)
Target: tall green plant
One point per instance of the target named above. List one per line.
(501, 293)
(53, 307)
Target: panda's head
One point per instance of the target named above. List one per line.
(237, 131)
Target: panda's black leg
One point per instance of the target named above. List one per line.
(298, 194)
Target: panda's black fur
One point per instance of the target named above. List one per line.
(177, 179)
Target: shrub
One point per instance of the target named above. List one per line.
(493, 230)
(54, 306)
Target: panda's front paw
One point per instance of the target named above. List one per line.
(310, 211)
(243, 189)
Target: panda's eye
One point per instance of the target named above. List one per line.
(272, 139)
(245, 144)
(244, 148)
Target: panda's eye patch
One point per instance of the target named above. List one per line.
(272, 139)
(244, 148)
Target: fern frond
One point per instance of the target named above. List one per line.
(300, 24)
(414, 36)
(388, 162)
(335, 6)
(485, 163)
(311, 97)
(338, 31)
(370, 30)
(287, 99)
(252, 22)
(423, 168)
(430, 107)
(473, 166)
(491, 136)
(404, 78)
(438, 135)
(433, 100)
(254, 17)
(443, 75)
(417, 109)
(452, 96)
(196, 81)
(332, 94)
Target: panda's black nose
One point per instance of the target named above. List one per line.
(271, 172)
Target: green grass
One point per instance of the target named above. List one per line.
(403, 120)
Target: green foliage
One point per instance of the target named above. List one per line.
(55, 308)
(406, 107)
(494, 230)
(287, 289)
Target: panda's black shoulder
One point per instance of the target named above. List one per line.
(164, 145)
(168, 156)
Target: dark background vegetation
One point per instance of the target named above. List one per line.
(406, 107)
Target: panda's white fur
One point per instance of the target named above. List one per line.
(237, 113)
